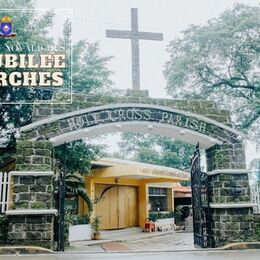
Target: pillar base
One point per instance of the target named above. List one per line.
(30, 229)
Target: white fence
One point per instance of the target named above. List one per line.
(4, 191)
(255, 194)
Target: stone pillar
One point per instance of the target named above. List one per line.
(31, 213)
(231, 209)
(226, 156)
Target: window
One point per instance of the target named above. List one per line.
(158, 199)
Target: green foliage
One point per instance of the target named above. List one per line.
(31, 29)
(95, 225)
(81, 219)
(68, 221)
(155, 149)
(75, 184)
(75, 158)
(220, 61)
(158, 215)
(178, 214)
(3, 228)
(89, 68)
(71, 219)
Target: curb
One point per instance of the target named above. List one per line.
(210, 250)
(101, 241)
(28, 250)
(241, 246)
(17, 250)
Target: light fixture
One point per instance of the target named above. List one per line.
(52, 140)
(182, 132)
(212, 140)
(118, 126)
(17, 135)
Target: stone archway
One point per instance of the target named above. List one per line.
(190, 121)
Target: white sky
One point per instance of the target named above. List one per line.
(92, 17)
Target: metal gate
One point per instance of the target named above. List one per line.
(200, 203)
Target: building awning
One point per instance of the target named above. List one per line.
(181, 191)
(112, 167)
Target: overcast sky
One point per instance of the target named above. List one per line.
(92, 17)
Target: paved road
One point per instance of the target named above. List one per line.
(138, 241)
(194, 255)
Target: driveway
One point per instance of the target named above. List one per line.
(134, 240)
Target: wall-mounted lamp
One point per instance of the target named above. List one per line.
(182, 132)
(150, 127)
(118, 126)
(17, 135)
(86, 131)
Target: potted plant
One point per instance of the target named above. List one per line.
(95, 225)
(80, 229)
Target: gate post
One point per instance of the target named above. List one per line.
(31, 213)
(231, 209)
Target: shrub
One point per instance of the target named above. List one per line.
(158, 215)
(3, 229)
(81, 219)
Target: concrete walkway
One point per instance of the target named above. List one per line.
(133, 239)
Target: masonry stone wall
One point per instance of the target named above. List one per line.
(232, 225)
(33, 155)
(3, 229)
(229, 155)
(31, 230)
(229, 188)
(231, 210)
(81, 101)
(31, 214)
(32, 192)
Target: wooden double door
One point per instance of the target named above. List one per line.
(118, 207)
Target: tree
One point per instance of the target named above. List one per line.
(89, 67)
(156, 149)
(90, 70)
(75, 159)
(30, 30)
(220, 61)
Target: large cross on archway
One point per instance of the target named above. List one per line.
(135, 36)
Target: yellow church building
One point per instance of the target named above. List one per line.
(125, 192)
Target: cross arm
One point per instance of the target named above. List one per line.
(118, 34)
(150, 36)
